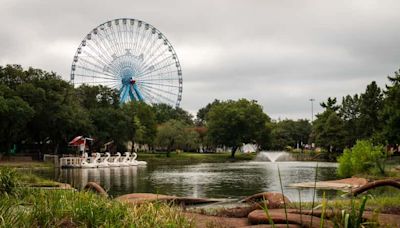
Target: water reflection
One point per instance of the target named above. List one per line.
(116, 180)
(215, 180)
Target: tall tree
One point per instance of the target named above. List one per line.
(371, 103)
(391, 110)
(232, 123)
(145, 121)
(57, 114)
(350, 113)
(14, 117)
(289, 133)
(328, 131)
(202, 113)
(92, 97)
(111, 125)
(175, 134)
(166, 112)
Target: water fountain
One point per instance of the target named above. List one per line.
(273, 156)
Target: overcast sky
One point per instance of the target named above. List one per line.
(281, 53)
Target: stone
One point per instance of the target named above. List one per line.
(341, 184)
(146, 197)
(206, 221)
(138, 198)
(278, 217)
(238, 212)
(272, 226)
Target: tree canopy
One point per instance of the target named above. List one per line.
(232, 123)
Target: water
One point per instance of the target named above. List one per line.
(212, 180)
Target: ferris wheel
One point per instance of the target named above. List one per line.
(133, 57)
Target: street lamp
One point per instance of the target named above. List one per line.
(312, 109)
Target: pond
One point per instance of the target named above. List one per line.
(212, 180)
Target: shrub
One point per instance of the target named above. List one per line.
(363, 157)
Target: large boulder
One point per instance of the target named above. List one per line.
(278, 216)
(273, 199)
(138, 198)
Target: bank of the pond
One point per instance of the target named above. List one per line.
(25, 164)
(185, 158)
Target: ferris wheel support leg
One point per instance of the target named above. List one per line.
(124, 94)
(138, 93)
(131, 95)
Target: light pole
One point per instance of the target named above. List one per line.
(312, 109)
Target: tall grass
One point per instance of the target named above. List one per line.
(8, 180)
(314, 190)
(264, 207)
(41, 208)
(283, 197)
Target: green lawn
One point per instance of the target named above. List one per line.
(191, 158)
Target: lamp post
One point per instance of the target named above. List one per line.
(312, 109)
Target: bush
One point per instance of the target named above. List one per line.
(362, 158)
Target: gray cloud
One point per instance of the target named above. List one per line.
(280, 53)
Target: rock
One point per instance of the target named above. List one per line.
(215, 221)
(270, 226)
(94, 187)
(274, 199)
(278, 217)
(384, 220)
(342, 184)
(238, 212)
(194, 201)
(138, 198)
(146, 197)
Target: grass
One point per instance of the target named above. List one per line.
(384, 203)
(24, 178)
(26, 164)
(29, 179)
(65, 208)
(36, 207)
(184, 158)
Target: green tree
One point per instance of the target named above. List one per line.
(144, 125)
(166, 112)
(92, 97)
(14, 117)
(371, 103)
(350, 112)
(57, 114)
(289, 133)
(111, 125)
(202, 113)
(328, 130)
(171, 135)
(391, 110)
(232, 123)
(330, 104)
